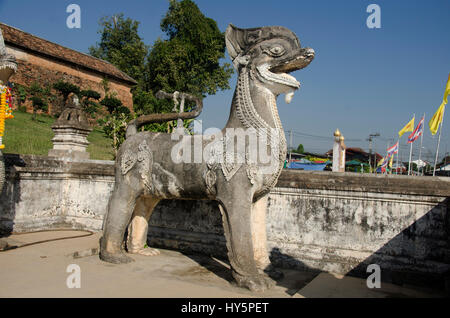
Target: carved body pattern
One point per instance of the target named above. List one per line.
(146, 172)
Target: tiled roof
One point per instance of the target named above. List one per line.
(29, 42)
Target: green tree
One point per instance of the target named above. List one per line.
(21, 96)
(65, 89)
(189, 59)
(121, 45)
(89, 102)
(115, 123)
(300, 149)
(39, 97)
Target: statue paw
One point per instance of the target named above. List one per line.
(116, 258)
(255, 283)
(145, 251)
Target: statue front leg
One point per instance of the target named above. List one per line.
(138, 228)
(120, 209)
(237, 218)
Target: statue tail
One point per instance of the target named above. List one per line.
(135, 124)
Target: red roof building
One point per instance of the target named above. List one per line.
(46, 62)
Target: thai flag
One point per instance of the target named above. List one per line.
(392, 150)
(417, 132)
(385, 163)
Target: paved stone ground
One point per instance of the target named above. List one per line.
(40, 271)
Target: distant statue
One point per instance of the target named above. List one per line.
(149, 168)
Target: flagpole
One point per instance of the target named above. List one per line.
(410, 152)
(387, 167)
(421, 142)
(409, 164)
(439, 141)
(398, 153)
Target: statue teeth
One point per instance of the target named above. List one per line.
(288, 97)
(281, 78)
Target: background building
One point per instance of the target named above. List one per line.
(45, 62)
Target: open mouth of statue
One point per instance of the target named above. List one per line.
(279, 73)
(266, 72)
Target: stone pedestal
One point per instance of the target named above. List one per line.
(71, 131)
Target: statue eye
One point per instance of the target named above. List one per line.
(277, 50)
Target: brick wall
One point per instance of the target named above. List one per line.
(45, 71)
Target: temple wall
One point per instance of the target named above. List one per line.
(338, 222)
(35, 68)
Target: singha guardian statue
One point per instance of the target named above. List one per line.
(235, 176)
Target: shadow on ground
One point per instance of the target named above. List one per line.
(417, 256)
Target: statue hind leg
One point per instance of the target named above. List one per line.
(138, 228)
(120, 210)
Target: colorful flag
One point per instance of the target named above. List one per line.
(437, 119)
(380, 162)
(385, 163)
(409, 127)
(417, 132)
(438, 116)
(392, 150)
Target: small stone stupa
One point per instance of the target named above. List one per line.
(71, 130)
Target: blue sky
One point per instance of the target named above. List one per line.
(362, 80)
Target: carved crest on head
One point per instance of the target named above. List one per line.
(240, 42)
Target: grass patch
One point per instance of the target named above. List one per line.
(100, 146)
(34, 137)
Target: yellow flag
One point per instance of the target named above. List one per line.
(438, 116)
(380, 162)
(391, 162)
(409, 127)
(437, 119)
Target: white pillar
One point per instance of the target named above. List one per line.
(338, 152)
(342, 155)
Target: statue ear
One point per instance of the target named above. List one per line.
(234, 39)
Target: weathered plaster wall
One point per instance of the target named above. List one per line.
(43, 192)
(338, 222)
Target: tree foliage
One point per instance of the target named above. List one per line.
(39, 97)
(121, 45)
(66, 88)
(189, 59)
(21, 96)
(89, 102)
(115, 123)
